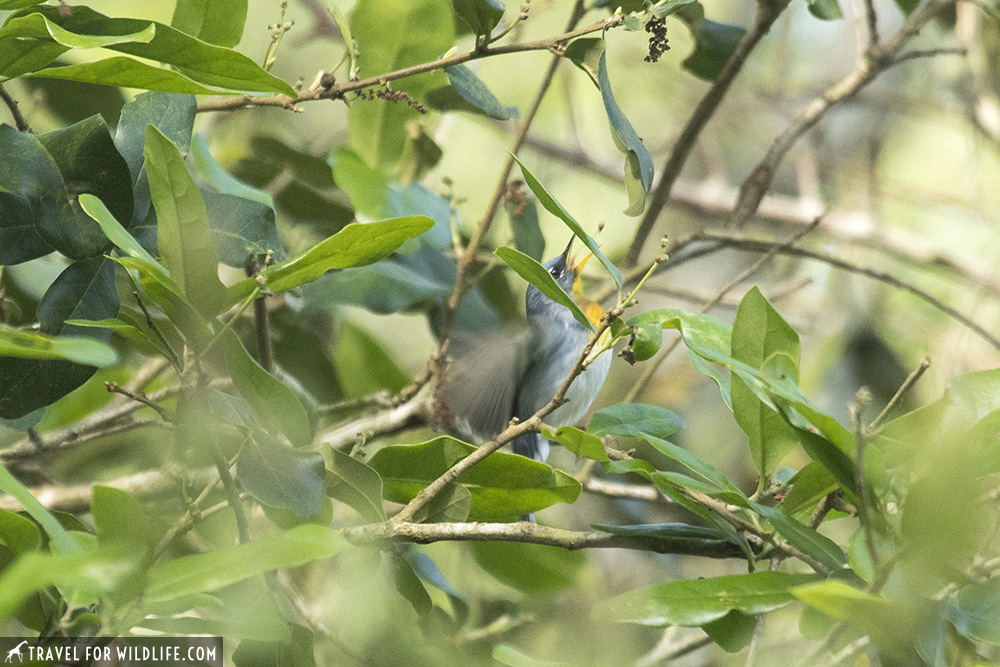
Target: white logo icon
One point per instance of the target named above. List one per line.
(15, 651)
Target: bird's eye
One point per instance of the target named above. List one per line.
(555, 272)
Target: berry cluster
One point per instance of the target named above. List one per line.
(389, 95)
(657, 29)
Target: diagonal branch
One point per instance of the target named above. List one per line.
(872, 62)
(767, 13)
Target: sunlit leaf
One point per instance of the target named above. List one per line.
(214, 21)
(539, 276)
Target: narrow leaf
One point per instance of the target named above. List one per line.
(475, 92)
(32, 345)
(538, 275)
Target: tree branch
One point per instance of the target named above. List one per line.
(529, 533)
(19, 121)
(872, 62)
(337, 92)
(767, 13)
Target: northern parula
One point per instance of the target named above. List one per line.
(492, 379)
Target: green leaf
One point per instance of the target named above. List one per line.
(383, 287)
(714, 42)
(539, 276)
(84, 290)
(805, 539)
(635, 419)
(18, 533)
(353, 483)
(531, 568)
(579, 442)
(31, 345)
(217, 22)
(279, 476)
(112, 229)
(696, 465)
(695, 602)
(120, 518)
(59, 537)
(586, 53)
(978, 608)
(206, 572)
(480, 15)
(37, 27)
(357, 244)
(203, 62)
(635, 150)
(732, 632)
(272, 402)
(392, 36)
(809, 486)
(183, 230)
(296, 651)
(759, 333)
(907, 6)
(475, 92)
(453, 504)
(173, 115)
(144, 339)
(409, 586)
(89, 163)
(125, 73)
(826, 10)
(221, 180)
(241, 228)
(556, 209)
(37, 188)
(503, 486)
(8, 5)
(95, 572)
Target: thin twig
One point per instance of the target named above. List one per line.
(931, 53)
(156, 330)
(767, 13)
(910, 380)
(140, 397)
(232, 494)
(19, 121)
(339, 91)
(863, 399)
(759, 245)
(262, 324)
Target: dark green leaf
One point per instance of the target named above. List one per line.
(475, 92)
(29, 172)
(84, 290)
(173, 115)
(73, 101)
(695, 602)
(274, 404)
(241, 228)
(636, 152)
(89, 163)
(480, 15)
(19, 242)
(531, 568)
(205, 572)
(579, 442)
(447, 98)
(363, 363)
(539, 276)
(353, 483)
(214, 21)
(714, 42)
(524, 223)
(409, 586)
(425, 568)
(393, 36)
(732, 632)
(280, 476)
(454, 503)
(805, 539)
(503, 486)
(635, 419)
(183, 231)
(826, 10)
(907, 6)
(357, 244)
(556, 209)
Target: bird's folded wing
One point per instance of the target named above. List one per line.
(480, 386)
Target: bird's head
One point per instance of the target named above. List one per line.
(567, 272)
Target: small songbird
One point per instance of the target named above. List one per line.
(495, 378)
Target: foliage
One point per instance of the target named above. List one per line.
(187, 329)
